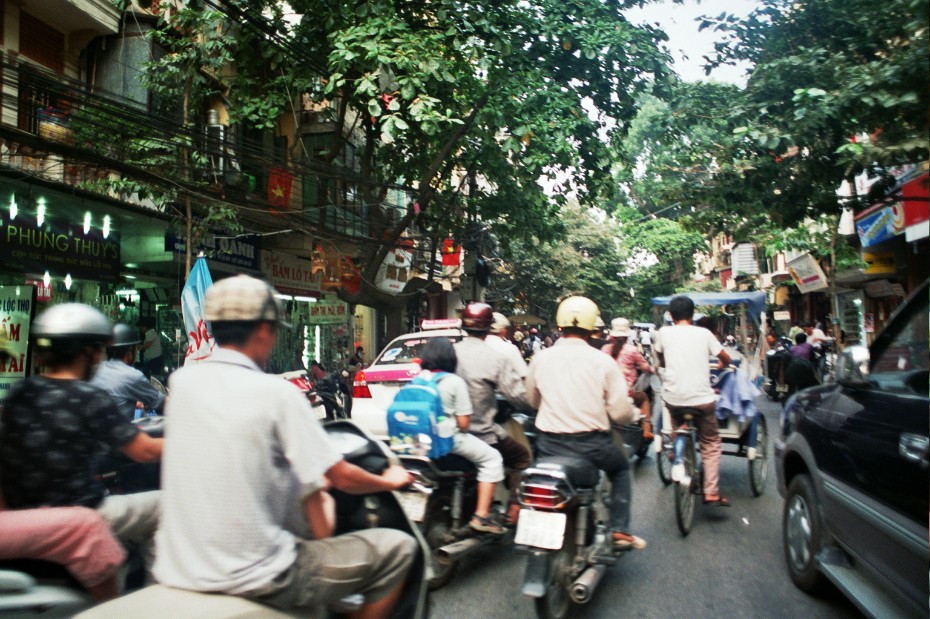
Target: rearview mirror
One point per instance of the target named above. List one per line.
(852, 367)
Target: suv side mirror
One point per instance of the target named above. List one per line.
(852, 367)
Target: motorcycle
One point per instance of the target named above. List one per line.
(563, 532)
(301, 380)
(40, 588)
(442, 500)
(353, 513)
(331, 390)
(777, 361)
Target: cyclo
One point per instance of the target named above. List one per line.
(747, 435)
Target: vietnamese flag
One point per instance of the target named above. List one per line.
(279, 188)
(451, 253)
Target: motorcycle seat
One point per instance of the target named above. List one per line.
(454, 463)
(579, 471)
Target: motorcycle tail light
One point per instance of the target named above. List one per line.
(360, 386)
(541, 497)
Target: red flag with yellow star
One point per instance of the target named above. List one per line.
(279, 188)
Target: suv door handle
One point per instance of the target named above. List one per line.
(915, 448)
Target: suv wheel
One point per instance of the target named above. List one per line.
(803, 535)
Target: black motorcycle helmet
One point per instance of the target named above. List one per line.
(124, 337)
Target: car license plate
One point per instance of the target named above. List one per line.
(540, 529)
(413, 504)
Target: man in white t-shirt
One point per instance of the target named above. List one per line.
(245, 475)
(497, 339)
(683, 351)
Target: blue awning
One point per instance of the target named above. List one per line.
(755, 301)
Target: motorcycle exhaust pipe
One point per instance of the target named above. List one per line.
(583, 588)
(454, 551)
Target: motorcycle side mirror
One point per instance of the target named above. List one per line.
(852, 367)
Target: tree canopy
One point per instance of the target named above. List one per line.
(825, 74)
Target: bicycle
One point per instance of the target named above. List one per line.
(691, 482)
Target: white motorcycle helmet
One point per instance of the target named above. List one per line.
(577, 312)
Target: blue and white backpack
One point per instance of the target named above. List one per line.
(417, 423)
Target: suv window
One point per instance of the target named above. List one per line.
(902, 363)
(405, 351)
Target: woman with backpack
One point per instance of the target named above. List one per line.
(438, 362)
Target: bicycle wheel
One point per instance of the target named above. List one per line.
(684, 495)
(759, 467)
(664, 460)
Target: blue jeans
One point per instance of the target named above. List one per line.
(599, 449)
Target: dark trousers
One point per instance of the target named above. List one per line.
(599, 449)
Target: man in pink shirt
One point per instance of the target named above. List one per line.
(75, 537)
(631, 362)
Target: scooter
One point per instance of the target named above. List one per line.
(353, 513)
(562, 530)
(301, 380)
(442, 500)
(32, 588)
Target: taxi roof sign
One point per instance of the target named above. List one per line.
(441, 323)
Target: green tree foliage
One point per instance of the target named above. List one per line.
(824, 71)
(621, 265)
(478, 99)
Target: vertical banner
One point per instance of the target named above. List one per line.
(17, 305)
(200, 341)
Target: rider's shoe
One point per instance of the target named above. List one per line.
(483, 524)
(678, 472)
(625, 541)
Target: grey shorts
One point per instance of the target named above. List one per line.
(371, 562)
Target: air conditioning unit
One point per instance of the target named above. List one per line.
(215, 147)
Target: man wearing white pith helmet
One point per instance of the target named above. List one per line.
(245, 475)
(497, 339)
(581, 394)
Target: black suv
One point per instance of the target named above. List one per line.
(852, 465)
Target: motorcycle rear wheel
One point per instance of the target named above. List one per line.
(557, 603)
(436, 526)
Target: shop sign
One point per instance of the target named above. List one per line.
(807, 274)
(916, 209)
(879, 225)
(328, 312)
(16, 309)
(43, 292)
(236, 251)
(781, 315)
(292, 275)
(395, 271)
(60, 250)
(879, 263)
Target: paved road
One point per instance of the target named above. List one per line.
(731, 565)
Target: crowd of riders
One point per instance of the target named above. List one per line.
(261, 455)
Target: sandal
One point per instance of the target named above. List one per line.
(719, 502)
(512, 515)
(483, 524)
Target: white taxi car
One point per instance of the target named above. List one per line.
(374, 387)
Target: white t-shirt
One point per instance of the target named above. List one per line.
(686, 376)
(510, 351)
(242, 451)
